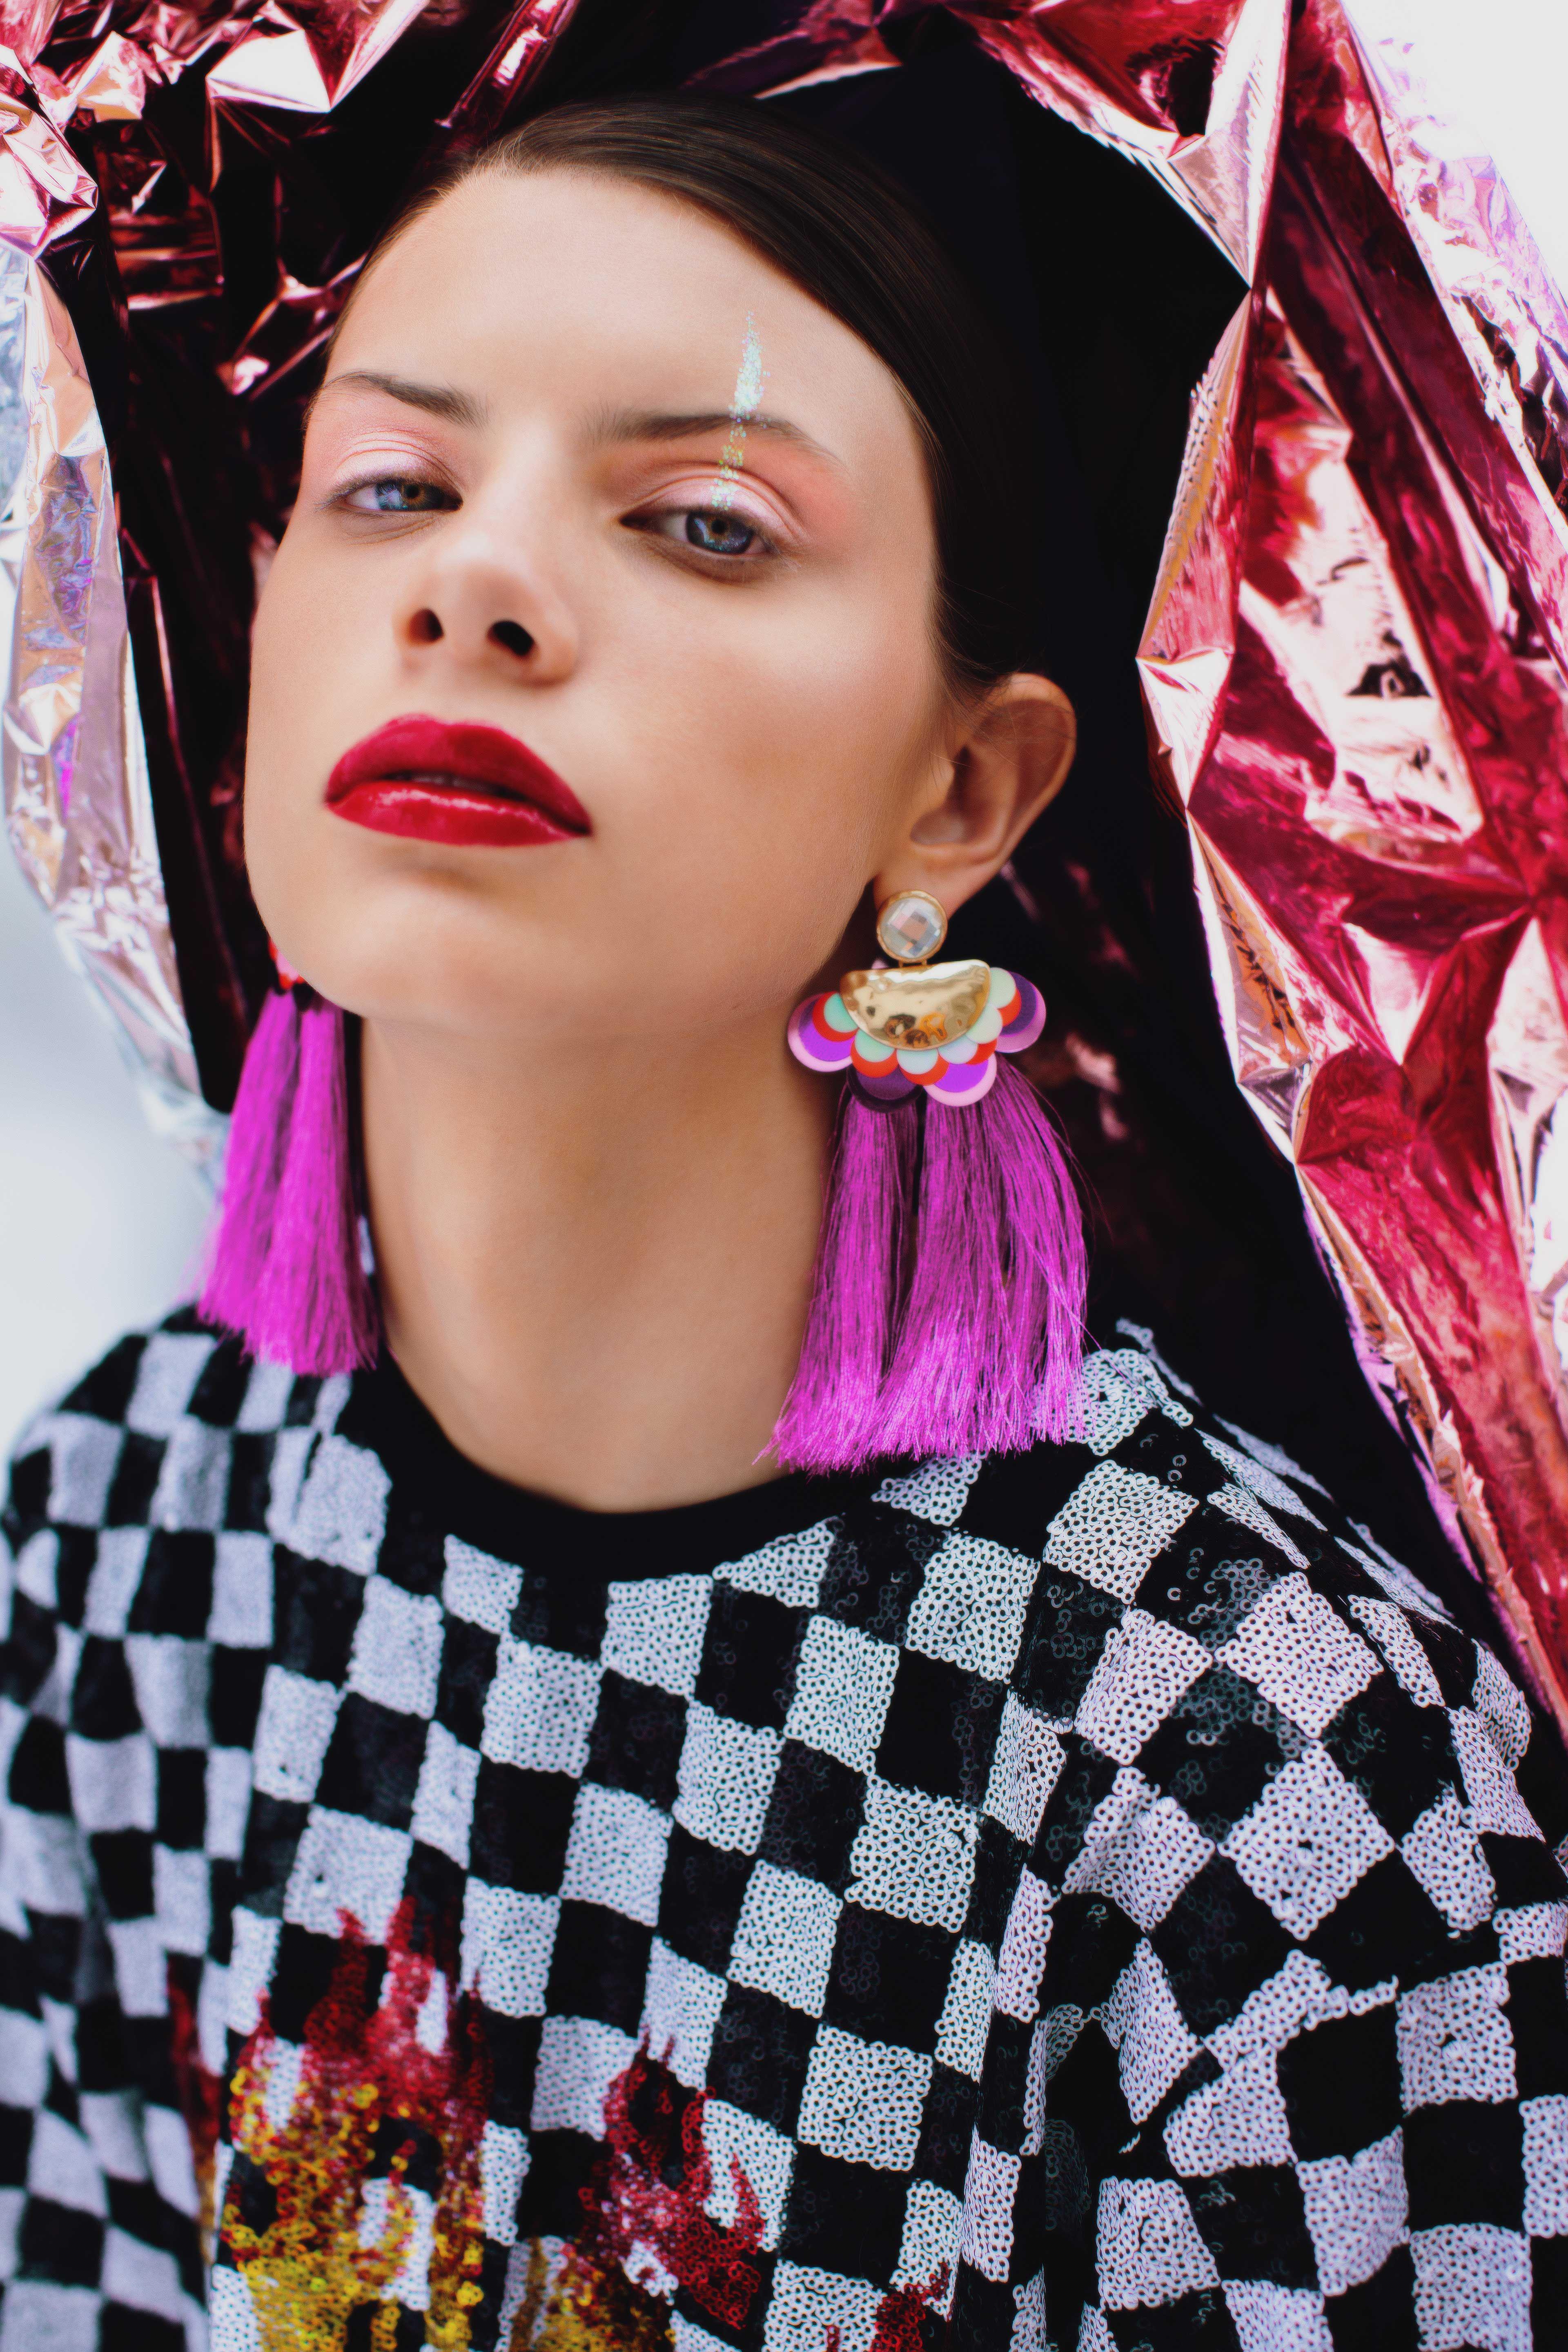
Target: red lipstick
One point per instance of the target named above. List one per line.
(472, 786)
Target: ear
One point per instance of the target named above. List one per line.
(1010, 761)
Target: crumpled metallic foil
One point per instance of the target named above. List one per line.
(79, 813)
(1356, 661)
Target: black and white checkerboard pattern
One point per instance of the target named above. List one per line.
(1099, 1888)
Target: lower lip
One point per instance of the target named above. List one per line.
(447, 813)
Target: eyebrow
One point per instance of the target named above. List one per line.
(607, 428)
(622, 425)
(435, 399)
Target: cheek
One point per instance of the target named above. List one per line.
(779, 749)
(808, 714)
(300, 678)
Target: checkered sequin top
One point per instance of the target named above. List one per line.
(1094, 1898)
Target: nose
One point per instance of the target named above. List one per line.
(486, 601)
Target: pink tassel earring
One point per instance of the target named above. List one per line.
(283, 1265)
(947, 1308)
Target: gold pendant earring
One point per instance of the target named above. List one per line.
(916, 1023)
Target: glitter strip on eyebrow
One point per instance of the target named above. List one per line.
(748, 380)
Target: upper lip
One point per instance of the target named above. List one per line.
(432, 751)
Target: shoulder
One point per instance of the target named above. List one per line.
(1273, 1735)
(142, 1475)
(1289, 1941)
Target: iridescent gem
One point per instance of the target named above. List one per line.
(912, 927)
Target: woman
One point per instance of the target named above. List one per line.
(495, 1853)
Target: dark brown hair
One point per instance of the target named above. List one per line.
(847, 235)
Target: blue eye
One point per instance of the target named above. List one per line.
(398, 495)
(720, 535)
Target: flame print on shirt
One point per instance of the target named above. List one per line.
(645, 2230)
(321, 2218)
(319, 2215)
(200, 2094)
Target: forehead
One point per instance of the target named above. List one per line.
(587, 286)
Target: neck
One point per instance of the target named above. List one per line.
(595, 1270)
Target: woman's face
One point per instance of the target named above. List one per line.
(525, 507)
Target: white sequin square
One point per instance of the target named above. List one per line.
(616, 1851)
(1142, 1671)
(654, 1629)
(1025, 1769)
(989, 2192)
(1456, 2040)
(913, 1856)
(1443, 1857)
(843, 1685)
(1239, 2120)
(1148, 2031)
(84, 1455)
(347, 1864)
(1311, 1837)
(964, 2025)
(341, 1516)
(784, 1937)
(479, 1590)
(172, 1678)
(1276, 2318)
(788, 1569)
(937, 1491)
(241, 1615)
(508, 1940)
(540, 1708)
(193, 1478)
(1148, 2250)
(443, 1800)
(1545, 2166)
(292, 1735)
(1021, 1963)
(725, 1778)
(1295, 1648)
(397, 1653)
(1495, 1802)
(863, 2100)
(970, 1607)
(171, 1363)
(933, 2232)
(809, 2306)
(1111, 1528)
(1357, 2208)
(578, 2062)
(766, 2158)
(680, 2009)
(1472, 2289)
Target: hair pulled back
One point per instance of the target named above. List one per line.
(847, 235)
(947, 1305)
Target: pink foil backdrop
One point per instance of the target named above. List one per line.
(1355, 662)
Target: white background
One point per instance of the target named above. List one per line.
(100, 1224)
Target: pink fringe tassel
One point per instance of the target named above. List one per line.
(947, 1308)
(283, 1268)
(954, 1328)
(837, 1391)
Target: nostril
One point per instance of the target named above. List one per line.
(425, 628)
(514, 638)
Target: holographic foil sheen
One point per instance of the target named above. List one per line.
(1356, 661)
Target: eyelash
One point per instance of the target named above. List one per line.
(647, 520)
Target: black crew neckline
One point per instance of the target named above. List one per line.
(536, 1532)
